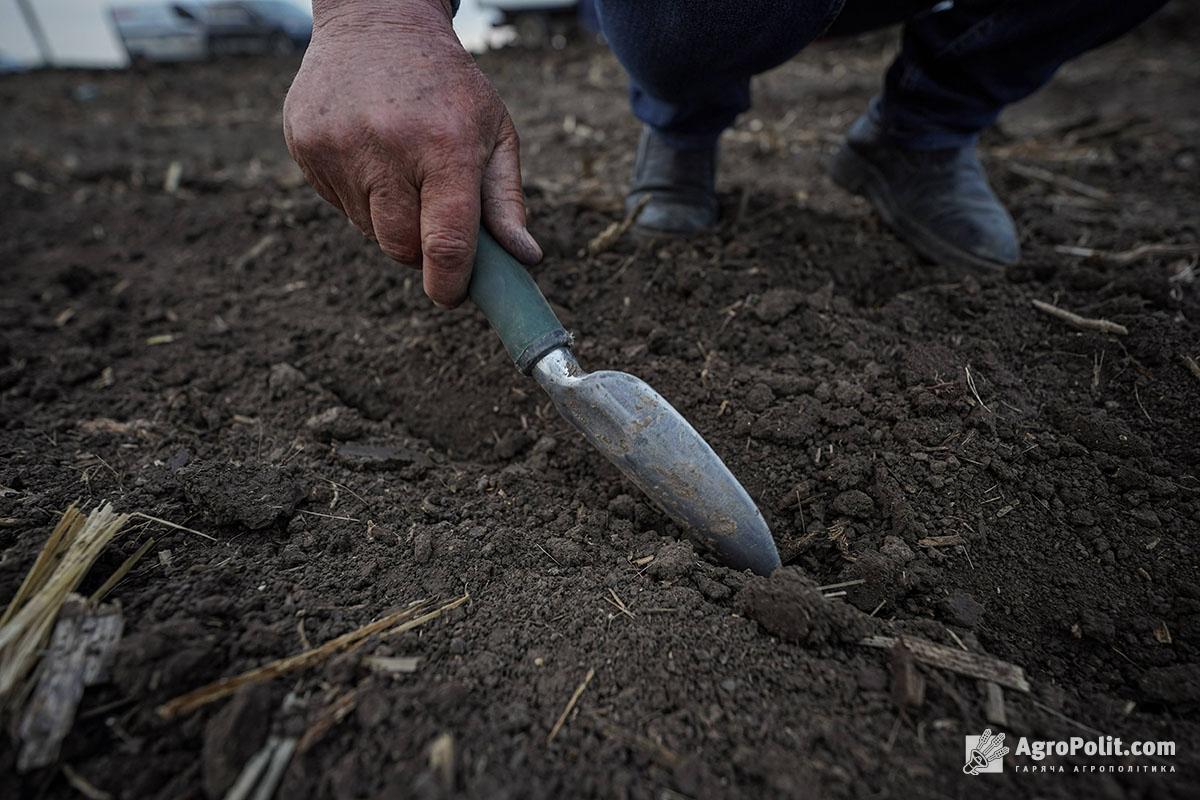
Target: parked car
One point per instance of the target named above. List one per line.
(256, 27)
(161, 32)
(190, 31)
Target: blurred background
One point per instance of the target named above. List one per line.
(107, 34)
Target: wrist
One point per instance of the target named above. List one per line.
(366, 16)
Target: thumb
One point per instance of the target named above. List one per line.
(503, 201)
(449, 229)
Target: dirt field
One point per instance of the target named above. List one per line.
(218, 356)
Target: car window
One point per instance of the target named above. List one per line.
(228, 14)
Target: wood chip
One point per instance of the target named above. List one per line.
(974, 665)
(941, 541)
(442, 760)
(1192, 365)
(908, 684)
(173, 177)
(993, 706)
(393, 664)
(78, 656)
(26, 625)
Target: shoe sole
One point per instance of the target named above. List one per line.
(859, 176)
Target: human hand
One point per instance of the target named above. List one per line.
(391, 121)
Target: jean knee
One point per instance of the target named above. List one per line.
(671, 45)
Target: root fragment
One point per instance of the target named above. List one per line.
(1082, 323)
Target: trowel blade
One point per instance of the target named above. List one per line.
(656, 448)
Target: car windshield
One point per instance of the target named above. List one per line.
(274, 9)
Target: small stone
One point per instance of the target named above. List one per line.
(1082, 517)
(759, 398)
(896, 549)
(776, 304)
(284, 379)
(381, 456)
(962, 610)
(854, 503)
(1146, 517)
(672, 561)
(336, 423)
(847, 393)
(422, 545)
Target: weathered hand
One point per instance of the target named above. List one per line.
(392, 122)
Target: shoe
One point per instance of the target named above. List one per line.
(938, 201)
(679, 183)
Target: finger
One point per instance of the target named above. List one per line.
(344, 199)
(449, 228)
(503, 207)
(355, 204)
(395, 218)
(324, 189)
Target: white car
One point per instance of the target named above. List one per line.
(161, 32)
(191, 30)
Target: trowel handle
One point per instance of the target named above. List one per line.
(506, 294)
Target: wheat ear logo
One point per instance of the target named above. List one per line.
(985, 753)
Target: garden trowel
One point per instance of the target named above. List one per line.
(626, 420)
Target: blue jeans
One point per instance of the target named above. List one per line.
(690, 61)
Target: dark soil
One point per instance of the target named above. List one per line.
(235, 358)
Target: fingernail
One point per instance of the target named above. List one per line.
(532, 248)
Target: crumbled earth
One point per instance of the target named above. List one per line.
(234, 358)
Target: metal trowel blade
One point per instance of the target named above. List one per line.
(656, 448)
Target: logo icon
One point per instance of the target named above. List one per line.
(985, 753)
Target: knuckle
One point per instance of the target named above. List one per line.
(398, 249)
(508, 196)
(447, 248)
(450, 133)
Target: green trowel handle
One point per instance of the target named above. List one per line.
(506, 294)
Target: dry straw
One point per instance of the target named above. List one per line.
(72, 548)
